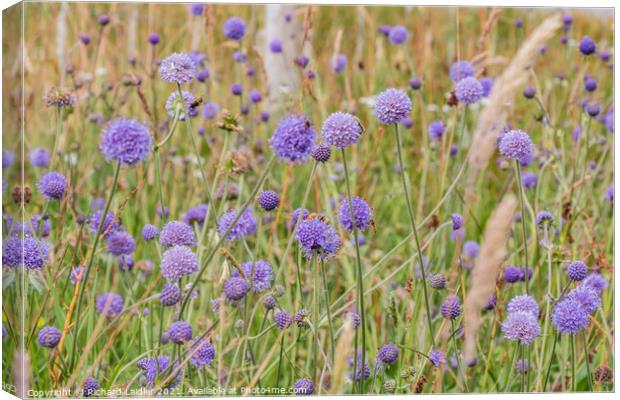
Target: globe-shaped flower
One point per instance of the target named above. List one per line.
(262, 277)
(109, 304)
(89, 387)
(543, 217)
(322, 152)
(53, 185)
(468, 90)
(587, 297)
(270, 302)
(180, 332)
(39, 157)
(523, 303)
(269, 200)
(12, 252)
(436, 130)
(298, 215)
(35, 253)
(275, 46)
(282, 319)
(388, 354)
(174, 105)
(49, 336)
(152, 367)
(196, 9)
(398, 34)
(338, 63)
(303, 387)
(457, 221)
(234, 28)
(317, 237)
(491, 302)
(511, 274)
(235, 288)
(471, 249)
(487, 85)
(196, 215)
(149, 232)
(577, 270)
(153, 38)
(461, 69)
(589, 84)
(362, 214)
(121, 243)
(110, 223)
(342, 130)
(202, 353)
(529, 180)
(8, 158)
(392, 106)
(246, 225)
(596, 281)
(437, 281)
(437, 357)
(126, 141)
(177, 233)
(177, 68)
(170, 295)
(587, 46)
(210, 110)
(293, 138)
(516, 145)
(177, 262)
(521, 326)
(415, 83)
(569, 316)
(361, 370)
(451, 307)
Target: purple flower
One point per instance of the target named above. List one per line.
(110, 223)
(577, 271)
(126, 141)
(152, 367)
(604, 55)
(240, 57)
(203, 75)
(529, 180)
(178, 262)
(543, 217)
(398, 34)
(365, 369)
(109, 304)
(299, 212)
(121, 243)
(511, 274)
(342, 130)
(174, 105)
(196, 215)
(436, 130)
(235, 288)
(210, 110)
(202, 353)
(609, 193)
(177, 68)
(85, 39)
(407, 122)
(392, 106)
(521, 326)
(384, 30)
(170, 295)
(415, 83)
(457, 221)
(49, 336)
(461, 69)
(153, 38)
(471, 248)
(302, 61)
(437, 281)
(255, 96)
(518, 23)
(362, 214)
(39, 157)
(388, 354)
(234, 28)
(196, 9)
(177, 233)
(593, 109)
(589, 84)
(529, 92)
(523, 303)
(338, 63)
(587, 46)
(451, 307)
(275, 46)
(587, 297)
(90, 386)
(180, 332)
(261, 278)
(569, 316)
(236, 89)
(468, 90)
(33, 253)
(516, 145)
(491, 302)
(567, 21)
(269, 200)
(437, 357)
(293, 139)
(318, 237)
(264, 116)
(8, 158)
(303, 387)
(246, 225)
(103, 19)
(53, 185)
(487, 85)
(522, 366)
(322, 152)
(282, 319)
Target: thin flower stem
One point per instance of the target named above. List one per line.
(520, 184)
(59, 120)
(317, 342)
(555, 341)
(585, 358)
(403, 175)
(84, 278)
(360, 273)
(280, 362)
(329, 315)
(572, 361)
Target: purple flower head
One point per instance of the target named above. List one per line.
(275, 46)
(604, 55)
(587, 46)
(203, 75)
(437, 281)
(39, 157)
(516, 145)
(110, 223)
(596, 281)
(451, 307)
(174, 105)
(436, 130)
(33, 253)
(388, 354)
(522, 275)
(126, 141)
(457, 221)
(522, 366)
(529, 180)
(202, 353)
(398, 34)
(49, 336)
(250, 71)
(577, 271)
(234, 28)
(609, 120)
(255, 96)
(461, 69)
(293, 139)
(178, 68)
(235, 288)
(170, 295)
(53, 185)
(407, 122)
(121, 243)
(153, 367)
(338, 63)
(589, 84)
(299, 212)
(392, 106)
(177, 262)
(180, 332)
(342, 130)
(85, 39)
(587, 297)
(544, 217)
(491, 302)
(236, 89)
(468, 90)
(523, 303)
(109, 304)
(529, 92)
(569, 316)
(269, 200)
(487, 85)
(196, 9)
(302, 61)
(153, 38)
(8, 158)
(89, 387)
(303, 387)
(264, 116)
(567, 21)
(365, 369)
(518, 23)
(415, 83)
(262, 277)
(282, 319)
(270, 302)
(471, 249)
(362, 214)
(103, 19)
(593, 109)
(511, 274)
(196, 215)
(210, 110)
(240, 57)
(521, 326)
(437, 357)
(177, 233)
(246, 225)
(317, 237)
(322, 152)
(288, 17)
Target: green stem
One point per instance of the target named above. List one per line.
(456, 354)
(329, 314)
(585, 352)
(56, 136)
(518, 173)
(403, 174)
(572, 361)
(315, 312)
(555, 341)
(280, 362)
